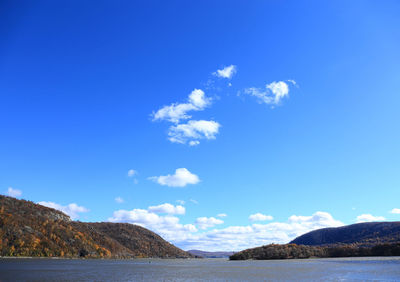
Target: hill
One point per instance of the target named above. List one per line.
(362, 234)
(362, 239)
(29, 229)
(205, 254)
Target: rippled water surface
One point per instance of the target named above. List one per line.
(338, 269)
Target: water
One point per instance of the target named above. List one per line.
(337, 269)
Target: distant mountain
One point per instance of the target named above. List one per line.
(29, 229)
(205, 254)
(362, 234)
(362, 239)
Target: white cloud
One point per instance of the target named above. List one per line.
(369, 218)
(119, 200)
(72, 210)
(197, 101)
(192, 131)
(181, 202)
(181, 178)
(395, 211)
(235, 238)
(280, 89)
(273, 93)
(13, 192)
(167, 208)
(132, 172)
(166, 226)
(260, 217)
(207, 222)
(242, 237)
(222, 215)
(226, 72)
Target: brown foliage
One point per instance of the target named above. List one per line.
(29, 229)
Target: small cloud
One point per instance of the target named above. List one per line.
(395, 211)
(207, 222)
(222, 215)
(260, 217)
(369, 218)
(181, 202)
(132, 172)
(194, 143)
(197, 101)
(273, 93)
(192, 131)
(194, 201)
(72, 210)
(119, 200)
(181, 178)
(226, 72)
(13, 192)
(168, 209)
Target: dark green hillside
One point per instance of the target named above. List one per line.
(362, 234)
(293, 251)
(29, 229)
(362, 239)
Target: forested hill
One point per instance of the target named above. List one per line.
(362, 239)
(29, 229)
(363, 234)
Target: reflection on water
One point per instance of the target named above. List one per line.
(387, 268)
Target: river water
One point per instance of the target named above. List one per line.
(336, 269)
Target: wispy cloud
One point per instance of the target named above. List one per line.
(194, 201)
(222, 215)
(272, 94)
(181, 178)
(132, 173)
(73, 210)
(226, 72)
(194, 143)
(260, 217)
(119, 200)
(13, 192)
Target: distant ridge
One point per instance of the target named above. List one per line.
(29, 229)
(205, 254)
(362, 239)
(362, 234)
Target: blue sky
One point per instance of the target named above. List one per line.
(81, 85)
